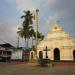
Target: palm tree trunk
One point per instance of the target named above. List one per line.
(27, 42)
(32, 41)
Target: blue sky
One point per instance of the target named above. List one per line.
(50, 11)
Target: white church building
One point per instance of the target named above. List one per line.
(60, 46)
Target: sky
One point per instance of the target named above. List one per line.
(49, 12)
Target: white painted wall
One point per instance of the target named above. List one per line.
(17, 55)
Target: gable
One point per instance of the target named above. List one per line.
(56, 36)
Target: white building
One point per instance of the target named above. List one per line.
(61, 46)
(17, 55)
(20, 55)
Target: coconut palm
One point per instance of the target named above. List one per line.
(26, 26)
(27, 18)
(22, 33)
(27, 31)
(40, 36)
(32, 33)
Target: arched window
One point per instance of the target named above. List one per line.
(40, 54)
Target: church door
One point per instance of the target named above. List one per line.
(56, 54)
(74, 55)
(31, 55)
(40, 55)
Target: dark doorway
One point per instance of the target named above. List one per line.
(74, 55)
(31, 55)
(56, 54)
(40, 55)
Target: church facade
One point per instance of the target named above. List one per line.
(57, 45)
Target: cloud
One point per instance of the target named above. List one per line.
(43, 5)
(10, 1)
(50, 11)
(25, 5)
(7, 32)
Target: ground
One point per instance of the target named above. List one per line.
(32, 69)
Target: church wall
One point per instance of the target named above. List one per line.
(44, 54)
(57, 38)
(51, 55)
(38, 53)
(72, 53)
(61, 54)
(66, 54)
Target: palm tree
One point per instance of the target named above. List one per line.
(32, 33)
(27, 31)
(27, 23)
(22, 33)
(40, 36)
(27, 18)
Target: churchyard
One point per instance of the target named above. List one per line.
(33, 69)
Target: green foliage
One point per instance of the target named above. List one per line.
(27, 31)
(40, 36)
(24, 31)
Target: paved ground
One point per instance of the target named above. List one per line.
(32, 69)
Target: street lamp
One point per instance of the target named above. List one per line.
(36, 18)
(37, 10)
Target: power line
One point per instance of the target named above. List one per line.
(7, 30)
(3, 40)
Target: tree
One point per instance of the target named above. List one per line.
(24, 31)
(40, 36)
(27, 31)
(32, 33)
(27, 18)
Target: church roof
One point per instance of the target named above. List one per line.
(56, 27)
(57, 37)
